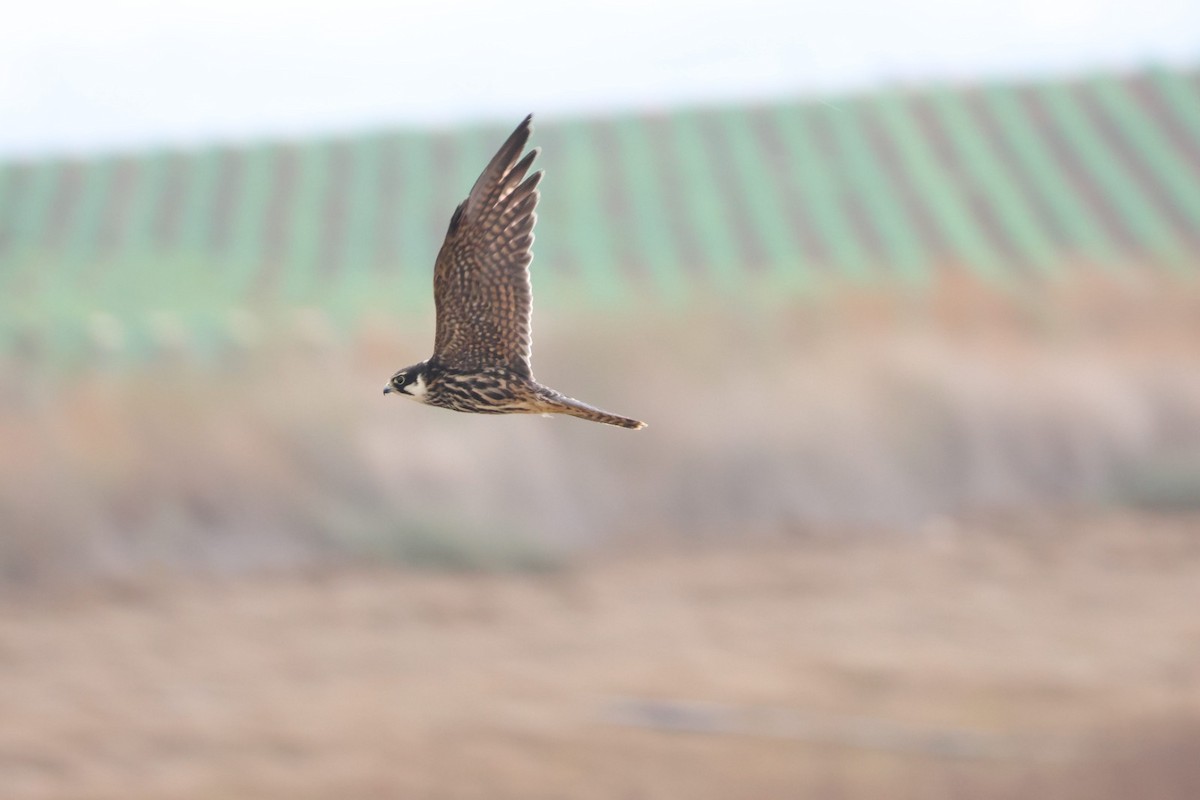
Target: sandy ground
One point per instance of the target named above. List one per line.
(397, 684)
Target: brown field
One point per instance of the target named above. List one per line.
(870, 546)
(1045, 656)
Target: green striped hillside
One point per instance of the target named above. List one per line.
(1014, 182)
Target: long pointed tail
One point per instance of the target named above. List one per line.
(561, 404)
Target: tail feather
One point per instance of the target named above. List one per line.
(561, 404)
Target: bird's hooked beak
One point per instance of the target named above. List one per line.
(388, 389)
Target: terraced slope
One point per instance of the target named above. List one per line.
(1013, 182)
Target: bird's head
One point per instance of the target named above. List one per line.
(410, 381)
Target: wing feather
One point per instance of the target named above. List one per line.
(481, 279)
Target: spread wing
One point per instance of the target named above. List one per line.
(481, 279)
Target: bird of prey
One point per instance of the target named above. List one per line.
(480, 362)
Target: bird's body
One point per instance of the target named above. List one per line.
(481, 287)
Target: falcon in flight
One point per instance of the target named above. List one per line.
(480, 362)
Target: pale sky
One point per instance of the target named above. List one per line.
(80, 76)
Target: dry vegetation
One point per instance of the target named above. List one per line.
(858, 528)
(853, 410)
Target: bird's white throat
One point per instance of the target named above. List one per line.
(418, 389)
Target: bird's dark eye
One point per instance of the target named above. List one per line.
(398, 380)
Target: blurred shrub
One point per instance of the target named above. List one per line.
(827, 411)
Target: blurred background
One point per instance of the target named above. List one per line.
(907, 294)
